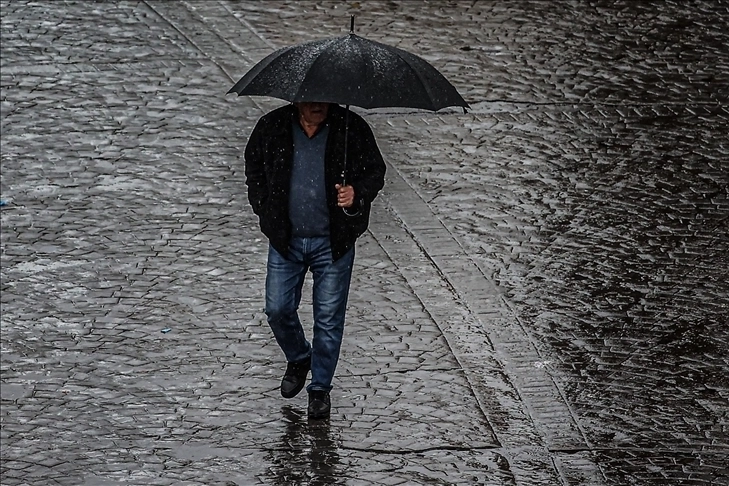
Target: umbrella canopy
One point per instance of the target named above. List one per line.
(350, 70)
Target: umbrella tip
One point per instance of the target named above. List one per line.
(351, 25)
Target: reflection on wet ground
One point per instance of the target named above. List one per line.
(596, 197)
(306, 452)
(617, 260)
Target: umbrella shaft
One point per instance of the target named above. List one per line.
(346, 133)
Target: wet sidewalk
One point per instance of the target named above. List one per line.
(531, 306)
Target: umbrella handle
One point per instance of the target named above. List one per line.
(351, 214)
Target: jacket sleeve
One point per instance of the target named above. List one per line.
(368, 176)
(255, 171)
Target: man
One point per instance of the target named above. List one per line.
(294, 165)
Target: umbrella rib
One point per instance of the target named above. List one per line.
(258, 68)
(314, 61)
(417, 74)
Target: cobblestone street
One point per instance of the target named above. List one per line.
(541, 298)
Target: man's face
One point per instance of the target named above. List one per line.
(313, 113)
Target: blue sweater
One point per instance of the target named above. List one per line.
(308, 209)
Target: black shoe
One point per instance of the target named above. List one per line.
(295, 378)
(319, 404)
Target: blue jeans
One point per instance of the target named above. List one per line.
(284, 280)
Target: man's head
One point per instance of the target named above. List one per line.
(312, 113)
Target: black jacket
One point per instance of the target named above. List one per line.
(268, 164)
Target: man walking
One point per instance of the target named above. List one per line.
(294, 168)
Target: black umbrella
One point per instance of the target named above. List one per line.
(350, 70)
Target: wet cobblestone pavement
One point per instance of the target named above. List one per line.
(541, 299)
